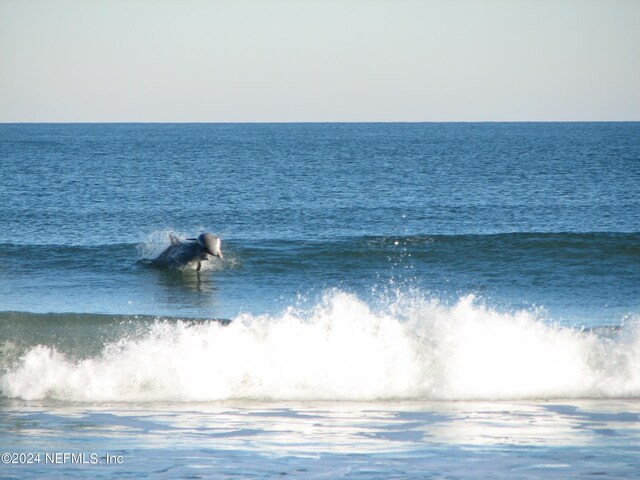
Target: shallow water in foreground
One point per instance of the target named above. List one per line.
(381, 440)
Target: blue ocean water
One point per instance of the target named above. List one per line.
(368, 263)
(521, 215)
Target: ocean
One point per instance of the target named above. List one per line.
(429, 300)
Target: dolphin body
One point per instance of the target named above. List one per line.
(189, 253)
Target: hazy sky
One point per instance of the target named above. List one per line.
(312, 60)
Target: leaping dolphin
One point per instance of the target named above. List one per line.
(190, 252)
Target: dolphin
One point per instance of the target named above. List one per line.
(189, 253)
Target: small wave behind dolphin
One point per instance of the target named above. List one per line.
(343, 349)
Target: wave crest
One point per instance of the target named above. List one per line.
(342, 349)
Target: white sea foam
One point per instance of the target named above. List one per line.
(344, 350)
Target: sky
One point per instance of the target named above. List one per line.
(319, 60)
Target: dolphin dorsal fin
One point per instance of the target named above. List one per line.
(173, 239)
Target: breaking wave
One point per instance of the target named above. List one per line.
(342, 349)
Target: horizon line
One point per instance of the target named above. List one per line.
(162, 122)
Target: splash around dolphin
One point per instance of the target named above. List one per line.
(189, 253)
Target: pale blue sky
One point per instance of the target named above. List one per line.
(312, 60)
